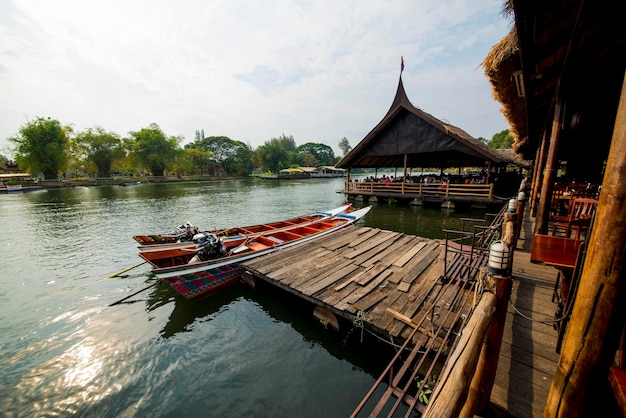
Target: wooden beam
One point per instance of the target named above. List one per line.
(543, 214)
(540, 161)
(581, 380)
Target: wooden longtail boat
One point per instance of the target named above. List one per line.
(200, 279)
(184, 233)
(231, 243)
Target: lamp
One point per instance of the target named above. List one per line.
(521, 196)
(512, 205)
(499, 255)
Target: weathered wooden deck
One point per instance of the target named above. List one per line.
(360, 273)
(366, 273)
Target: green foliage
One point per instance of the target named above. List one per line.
(273, 155)
(287, 142)
(98, 148)
(234, 157)
(427, 390)
(151, 149)
(42, 147)
(324, 155)
(344, 145)
(502, 140)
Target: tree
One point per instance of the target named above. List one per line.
(344, 145)
(151, 149)
(98, 147)
(322, 152)
(42, 146)
(502, 140)
(287, 142)
(273, 155)
(234, 157)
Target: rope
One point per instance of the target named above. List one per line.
(358, 322)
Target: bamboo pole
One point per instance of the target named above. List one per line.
(452, 387)
(581, 379)
(543, 214)
(485, 375)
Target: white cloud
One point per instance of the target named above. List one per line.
(249, 70)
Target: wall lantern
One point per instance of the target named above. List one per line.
(499, 258)
(512, 205)
(521, 196)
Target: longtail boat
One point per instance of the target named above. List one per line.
(199, 279)
(185, 232)
(210, 245)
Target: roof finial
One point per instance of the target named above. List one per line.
(401, 64)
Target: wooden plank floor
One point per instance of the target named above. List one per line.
(359, 271)
(528, 359)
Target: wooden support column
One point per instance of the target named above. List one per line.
(540, 161)
(543, 214)
(581, 381)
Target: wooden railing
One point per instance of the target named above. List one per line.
(443, 190)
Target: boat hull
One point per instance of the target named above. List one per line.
(202, 284)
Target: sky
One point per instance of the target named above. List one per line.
(249, 70)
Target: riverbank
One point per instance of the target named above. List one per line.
(119, 181)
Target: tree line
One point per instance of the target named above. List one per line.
(44, 146)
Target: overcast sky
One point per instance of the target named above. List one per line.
(249, 70)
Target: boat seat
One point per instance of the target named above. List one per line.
(257, 246)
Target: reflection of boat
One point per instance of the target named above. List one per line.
(187, 231)
(198, 279)
(130, 183)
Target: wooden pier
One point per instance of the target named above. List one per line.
(391, 284)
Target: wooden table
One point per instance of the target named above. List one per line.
(561, 253)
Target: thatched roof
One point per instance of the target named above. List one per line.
(424, 140)
(570, 51)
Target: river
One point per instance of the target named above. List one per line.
(241, 352)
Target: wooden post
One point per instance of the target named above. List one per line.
(485, 375)
(540, 161)
(452, 386)
(543, 214)
(581, 380)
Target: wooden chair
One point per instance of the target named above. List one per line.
(578, 219)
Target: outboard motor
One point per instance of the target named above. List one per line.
(186, 232)
(209, 246)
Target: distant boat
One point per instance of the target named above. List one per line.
(8, 188)
(131, 183)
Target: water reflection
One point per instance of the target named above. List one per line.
(185, 312)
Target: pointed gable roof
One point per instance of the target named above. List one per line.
(426, 141)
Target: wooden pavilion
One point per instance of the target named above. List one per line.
(559, 75)
(410, 138)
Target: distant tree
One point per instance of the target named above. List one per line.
(287, 142)
(273, 155)
(502, 140)
(3, 160)
(42, 146)
(481, 139)
(322, 152)
(98, 147)
(195, 161)
(308, 160)
(151, 149)
(234, 157)
(344, 145)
